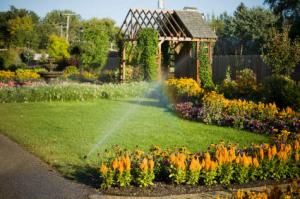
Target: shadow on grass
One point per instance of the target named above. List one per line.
(83, 174)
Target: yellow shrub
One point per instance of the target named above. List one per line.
(26, 75)
(183, 87)
(6, 74)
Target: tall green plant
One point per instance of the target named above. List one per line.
(147, 43)
(205, 69)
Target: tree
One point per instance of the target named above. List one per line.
(251, 26)
(58, 20)
(289, 13)
(282, 54)
(17, 19)
(243, 33)
(58, 48)
(95, 45)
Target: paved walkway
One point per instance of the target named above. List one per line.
(24, 176)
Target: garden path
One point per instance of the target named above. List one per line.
(24, 176)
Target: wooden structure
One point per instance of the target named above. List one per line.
(185, 30)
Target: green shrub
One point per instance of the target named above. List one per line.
(109, 76)
(10, 59)
(244, 87)
(283, 91)
(71, 70)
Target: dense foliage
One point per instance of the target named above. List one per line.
(58, 48)
(243, 33)
(282, 54)
(282, 90)
(147, 43)
(221, 164)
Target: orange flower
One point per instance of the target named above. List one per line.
(297, 156)
(173, 158)
(115, 164)
(144, 165)
(270, 154)
(151, 164)
(238, 159)
(213, 165)
(255, 162)
(127, 163)
(296, 145)
(232, 155)
(195, 165)
(121, 166)
(261, 153)
(274, 150)
(103, 169)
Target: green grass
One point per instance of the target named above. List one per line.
(64, 133)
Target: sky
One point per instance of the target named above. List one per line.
(117, 9)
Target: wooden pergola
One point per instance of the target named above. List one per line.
(185, 27)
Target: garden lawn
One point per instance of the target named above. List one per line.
(72, 135)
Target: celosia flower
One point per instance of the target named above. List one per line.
(115, 164)
(255, 162)
(261, 153)
(195, 165)
(144, 165)
(151, 164)
(103, 169)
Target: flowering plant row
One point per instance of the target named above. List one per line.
(19, 75)
(291, 191)
(221, 164)
(72, 92)
(255, 117)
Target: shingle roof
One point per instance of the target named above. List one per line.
(195, 24)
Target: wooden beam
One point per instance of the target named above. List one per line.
(159, 73)
(197, 51)
(123, 64)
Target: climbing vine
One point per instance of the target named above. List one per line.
(205, 69)
(147, 43)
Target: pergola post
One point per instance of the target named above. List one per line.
(159, 73)
(197, 61)
(122, 64)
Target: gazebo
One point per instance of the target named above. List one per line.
(184, 30)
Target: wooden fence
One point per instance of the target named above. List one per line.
(239, 62)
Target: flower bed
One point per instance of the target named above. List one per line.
(190, 102)
(261, 118)
(221, 164)
(72, 92)
(19, 76)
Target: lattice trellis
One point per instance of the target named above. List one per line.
(164, 21)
